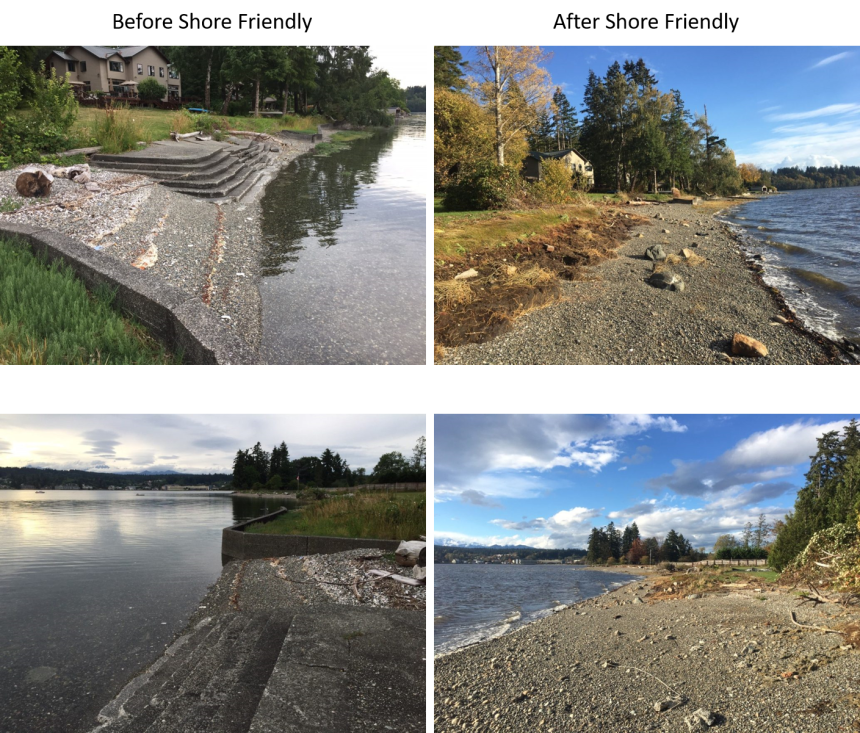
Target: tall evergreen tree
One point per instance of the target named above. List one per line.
(449, 68)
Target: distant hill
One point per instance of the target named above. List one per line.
(42, 478)
(498, 553)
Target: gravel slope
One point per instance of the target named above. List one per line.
(620, 319)
(595, 667)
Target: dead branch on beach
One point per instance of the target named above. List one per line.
(814, 628)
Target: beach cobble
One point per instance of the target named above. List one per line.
(617, 317)
(609, 663)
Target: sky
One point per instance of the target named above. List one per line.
(774, 105)
(545, 480)
(407, 64)
(196, 443)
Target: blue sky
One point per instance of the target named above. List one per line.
(774, 105)
(546, 480)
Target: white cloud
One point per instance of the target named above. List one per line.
(830, 59)
(827, 111)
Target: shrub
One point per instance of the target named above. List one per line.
(488, 186)
(311, 494)
(150, 90)
(117, 131)
(555, 184)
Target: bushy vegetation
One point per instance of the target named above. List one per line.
(48, 317)
(149, 90)
(117, 130)
(487, 186)
(555, 185)
(831, 495)
(376, 515)
(44, 124)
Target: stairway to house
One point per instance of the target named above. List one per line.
(206, 169)
(330, 669)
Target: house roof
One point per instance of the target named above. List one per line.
(555, 154)
(103, 52)
(63, 56)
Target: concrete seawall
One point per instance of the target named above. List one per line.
(237, 544)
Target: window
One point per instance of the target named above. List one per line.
(115, 65)
(589, 168)
(172, 73)
(140, 69)
(83, 65)
(151, 70)
(71, 65)
(161, 71)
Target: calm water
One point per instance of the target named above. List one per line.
(810, 241)
(344, 278)
(473, 603)
(93, 584)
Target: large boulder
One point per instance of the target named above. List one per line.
(748, 347)
(655, 253)
(667, 281)
(32, 182)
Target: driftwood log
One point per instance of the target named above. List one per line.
(407, 554)
(32, 182)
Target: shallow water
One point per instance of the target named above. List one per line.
(344, 274)
(474, 603)
(810, 241)
(93, 584)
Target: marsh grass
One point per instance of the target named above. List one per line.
(47, 316)
(381, 516)
(118, 130)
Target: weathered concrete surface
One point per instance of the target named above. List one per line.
(265, 654)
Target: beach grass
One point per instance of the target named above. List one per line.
(47, 316)
(372, 515)
(339, 141)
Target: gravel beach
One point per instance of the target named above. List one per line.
(211, 250)
(605, 663)
(618, 318)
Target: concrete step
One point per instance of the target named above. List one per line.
(366, 663)
(123, 160)
(230, 188)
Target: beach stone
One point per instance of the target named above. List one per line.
(665, 231)
(467, 275)
(655, 253)
(667, 281)
(748, 346)
(780, 319)
(688, 253)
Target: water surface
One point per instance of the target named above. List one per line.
(810, 242)
(473, 603)
(344, 274)
(93, 584)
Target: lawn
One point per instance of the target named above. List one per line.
(47, 316)
(377, 515)
(157, 124)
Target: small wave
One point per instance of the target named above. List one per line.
(789, 248)
(512, 619)
(822, 281)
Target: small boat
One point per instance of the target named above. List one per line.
(40, 492)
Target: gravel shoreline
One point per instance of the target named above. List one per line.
(603, 664)
(211, 250)
(618, 318)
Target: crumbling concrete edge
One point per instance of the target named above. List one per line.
(179, 321)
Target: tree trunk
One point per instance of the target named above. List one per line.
(257, 97)
(206, 96)
(497, 87)
(229, 93)
(286, 96)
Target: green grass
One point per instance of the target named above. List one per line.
(467, 232)
(157, 124)
(381, 516)
(7, 206)
(47, 316)
(339, 141)
(615, 198)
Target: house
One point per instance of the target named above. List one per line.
(397, 111)
(574, 161)
(115, 71)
